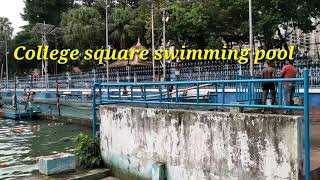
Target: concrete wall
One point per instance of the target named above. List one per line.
(199, 145)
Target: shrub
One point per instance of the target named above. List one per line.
(87, 151)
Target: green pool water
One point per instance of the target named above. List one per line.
(22, 142)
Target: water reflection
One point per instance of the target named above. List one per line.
(22, 142)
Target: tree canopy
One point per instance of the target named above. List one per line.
(194, 23)
(38, 11)
(83, 28)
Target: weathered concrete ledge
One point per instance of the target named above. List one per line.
(58, 163)
(67, 119)
(92, 175)
(79, 174)
(200, 144)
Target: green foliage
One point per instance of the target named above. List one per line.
(30, 40)
(270, 16)
(188, 23)
(126, 25)
(87, 151)
(194, 23)
(37, 11)
(83, 28)
(5, 27)
(119, 22)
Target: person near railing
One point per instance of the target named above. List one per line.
(125, 91)
(268, 73)
(289, 71)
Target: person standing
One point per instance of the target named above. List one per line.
(289, 71)
(268, 73)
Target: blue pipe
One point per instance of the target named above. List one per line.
(306, 123)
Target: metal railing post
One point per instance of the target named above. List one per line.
(250, 92)
(100, 95)
(306, 123)
(144, 93)
(94, 119)
(177, 93)
(108, 91)
(223, 92)
(198, 92)
(160, 91)
(131, 92)
(168, 94)
(280, 94)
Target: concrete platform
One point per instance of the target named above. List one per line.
(110, 178)
(79, 174)
(315, 145)
(58, 163)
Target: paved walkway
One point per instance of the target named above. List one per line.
(314, 142)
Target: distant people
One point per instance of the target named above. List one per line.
(289, 71)
(268, 73)
(125, 91)
(171, 88)
(76, 70)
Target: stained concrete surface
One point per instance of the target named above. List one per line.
(315, 143)
(198, 144)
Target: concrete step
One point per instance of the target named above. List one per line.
(94, 174)
(79, 174)
(110, 178)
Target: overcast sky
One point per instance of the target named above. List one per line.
(12, 10)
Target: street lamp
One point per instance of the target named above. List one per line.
(250, 38)
(43, 29)
(107, 39)
(152, 41)
(6, 47)
(164, 20)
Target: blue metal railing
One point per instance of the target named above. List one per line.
(199, 93)
(182, 71)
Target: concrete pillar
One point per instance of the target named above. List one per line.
(158, 171)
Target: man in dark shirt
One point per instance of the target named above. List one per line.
(268, 73)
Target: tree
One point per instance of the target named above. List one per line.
(83, 28)
(38, 11)
(188, 24)
(120, 25)
(280, 17)
(5, 27)
(29, 40)
(86, 2)
(5, 36)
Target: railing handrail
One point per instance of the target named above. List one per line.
(199, 82)
(143, 99)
